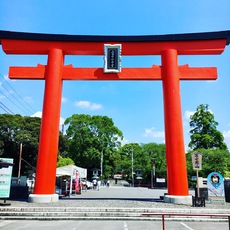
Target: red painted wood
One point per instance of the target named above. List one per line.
(49, 134)
(13, 46)
(154, 73)
(174, 138)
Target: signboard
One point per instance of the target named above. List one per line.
(112, 59)
(5, 179)
(197, 161)
(215, 183)
(160, 180)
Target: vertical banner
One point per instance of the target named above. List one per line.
(5, 178)
(215, 185)
(77, 183)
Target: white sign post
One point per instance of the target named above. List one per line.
(197, 165)
(5, 178)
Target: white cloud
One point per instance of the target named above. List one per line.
(226, 135)
(151, 132)
(88, 105)
(188, 114)
(64, 100)
(124, 141)
(39, 114)
(28, 100)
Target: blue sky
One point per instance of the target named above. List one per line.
(136, 107)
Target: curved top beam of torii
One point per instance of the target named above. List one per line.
(185, 44)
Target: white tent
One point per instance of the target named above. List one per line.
(70, 170)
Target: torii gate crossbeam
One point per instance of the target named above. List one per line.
(56, 47)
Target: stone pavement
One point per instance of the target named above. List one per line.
(113, 203)
(119, 197)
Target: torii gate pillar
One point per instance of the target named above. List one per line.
(168, 46)
(49, 134)
(174, 138)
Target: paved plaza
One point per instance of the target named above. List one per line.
(118, 196)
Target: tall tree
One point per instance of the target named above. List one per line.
(16, 130)
(142, 159)
(213, 160)
(92, 139)
(204, 133)
(156, 151)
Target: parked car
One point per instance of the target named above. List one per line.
(89, 184)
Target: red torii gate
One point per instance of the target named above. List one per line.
(168, 46)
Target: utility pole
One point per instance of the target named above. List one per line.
(153, 172)
(101, 163)
(132, 170)
(19, 165)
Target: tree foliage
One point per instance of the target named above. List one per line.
(142, 160)
(204, 133)
(63, 161)
(213, 160)
(90, 138)
(14, 131)
(158, 152)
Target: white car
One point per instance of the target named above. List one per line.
(89, 184)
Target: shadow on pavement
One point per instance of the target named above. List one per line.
(118, 199)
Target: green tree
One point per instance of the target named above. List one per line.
(127, 157)
(213, 160)
(204, 133)
(63, 145)
(92, 138)
(14, 131)
(142, 159)
(158, 152)
(63, 161)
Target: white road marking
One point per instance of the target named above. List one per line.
(125, 226)
(186, 226)
(4, 223)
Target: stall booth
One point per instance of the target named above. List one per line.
(68, 179)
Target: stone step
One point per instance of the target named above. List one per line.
(100, 213)
(71, 213)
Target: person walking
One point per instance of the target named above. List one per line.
(94, 184)
(98, 185)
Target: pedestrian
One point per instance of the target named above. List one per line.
(84, 185)
(94, 184)
(107, 183)
(98, 185)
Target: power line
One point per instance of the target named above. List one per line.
(5, 108)
(16, 98)
(33, 110)
(13, 102)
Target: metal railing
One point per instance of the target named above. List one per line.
(186, 214)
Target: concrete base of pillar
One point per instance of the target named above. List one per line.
(187, 200)
(40, 198)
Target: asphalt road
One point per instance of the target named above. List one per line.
(109, 225)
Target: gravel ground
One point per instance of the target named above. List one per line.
(120, 197)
